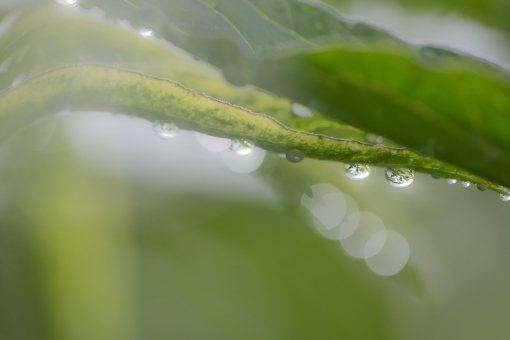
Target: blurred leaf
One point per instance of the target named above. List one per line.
(443, 104)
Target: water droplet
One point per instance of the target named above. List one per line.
(301, 110)
(294, 156)
(436, 175)
(145, 32)
(466, 184)
(481, 187)
(451, 181)
(399, 177)
(357, 172)
(241, 147)
(504, 197)
(165, 130)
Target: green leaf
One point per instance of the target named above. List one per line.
(453, 107)
(367, 88)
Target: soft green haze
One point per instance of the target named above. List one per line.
(108, 232)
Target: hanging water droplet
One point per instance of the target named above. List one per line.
(481, 187)
(357, 172)
(301, 110)
(399, 177)
(294, 156)
(145, 32)
(165, 130)
(466, 184)
(241, 147)
(504, 197)
(436, 175)
(451, 181)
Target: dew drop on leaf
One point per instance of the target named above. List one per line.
(466, 184)
(399, 177)
(241, 147)
(504, 197)
(481, 187)
(357, 172)
(164, 130)
(294, 156)
(451, 181)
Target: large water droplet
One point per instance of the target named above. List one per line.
(357, 172)
(504, 197)
(466, 184)
(399, 177)
(294, 156)
(481, 187)
(145, 32)
(436, 175)
(301, 110)
(451, 181)
(241, 147)
(164, 130)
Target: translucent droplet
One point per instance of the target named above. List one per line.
(504, 197)
(481, 187)
(357, 172)
(466, 184)
(436, 175)
(241, 147)
(145, 32)
(301, 110)
(451, 181)
(399, 177)
(164, 130)
(294, 156)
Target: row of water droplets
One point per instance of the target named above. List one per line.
(397, 177)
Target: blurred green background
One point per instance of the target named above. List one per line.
(108, 232)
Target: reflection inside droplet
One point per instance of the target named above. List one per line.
(165, 130)
(392, 257)
(294, 156)
(241, 147)
(451, 181)
(357, 172)
(399, 177)
(212, 143)
(466, 184)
